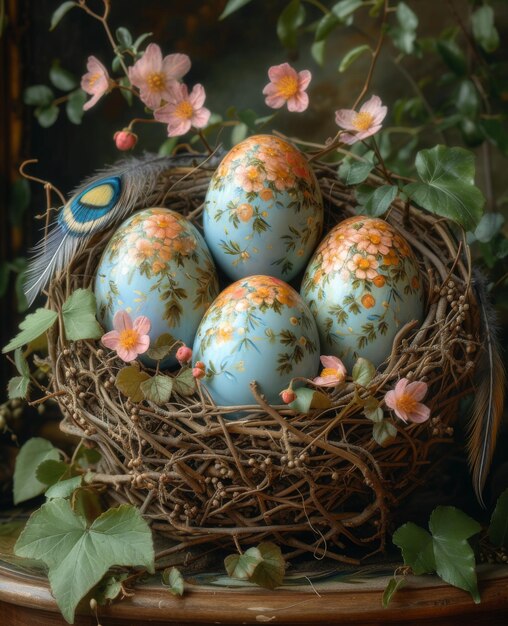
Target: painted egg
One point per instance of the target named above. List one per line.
(259, 329)
(157, 264)
(263, 212)
(362, 285)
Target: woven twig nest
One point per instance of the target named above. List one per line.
(314, 482)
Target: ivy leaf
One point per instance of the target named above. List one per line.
(394, 584)
(269, 572)
(404, 35)
(51, 471)
(363, 372)
(157, 388)
(242, 566)
(455, 562)
(109, 588)
(383, 432)
(416, 546)
(74, 106)
(307, 399)
(64, 488)
(173, 580)
(128, 381)
(352, 171)
(290, 20)
(47, 115)
(78, 555)
(498, 529)
(447, 186)
(60, 12)
(232, 6)
(30, 456)
(484, 31)
(184, 383)
(161, 347)
(352, 56)
(32, 328)
(61, 78)
(376, 200)
(85, 501)
(38, 95)
(78, 313)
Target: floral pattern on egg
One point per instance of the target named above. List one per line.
(158, 265)
(260, 329)
(362, 285)
(263, 212)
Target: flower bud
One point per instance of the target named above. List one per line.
(200, 364)
(288, 396)
(198, 372)
(183, 355)
(125, 139)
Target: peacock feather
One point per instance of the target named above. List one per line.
(101, 201)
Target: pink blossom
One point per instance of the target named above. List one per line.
(183, 355)
(249, 178)
(125, 139)
(184, 110)
(404, 400)
(333, 374)
(287, 86)
(95, 82)
(129, 339)
(155, 76)
(363, 124)
(287, 395)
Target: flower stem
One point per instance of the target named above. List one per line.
(204, 140)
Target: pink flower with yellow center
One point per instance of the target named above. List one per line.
(143, 250)
(95, 82)
(404, 400)
(287, 86)
(184, 245)
(184, 110)
(375, 242)
(333, 373)
(154, 76)
(278, 172)
(364, 267)
(363, 123)
(249, 178)
(163, 226)
(128, 339)
(263, 295)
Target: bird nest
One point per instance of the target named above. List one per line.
(313, 483)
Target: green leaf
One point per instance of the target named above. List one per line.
(78, 313)
(157, 389)
(394, 584)
(498, 529)
(38, 95)
(352, 171)
(242, 566)
(307, 399)
(140, 40)
(416, 546)
(248, 117)
(453, 56)
(166, 148)
(109, 588)
(74, 106)
(30, 456)
(290, 20)
(62, 79)
(78, 555)
(404, 35)
(21, 363)
(19, 201)
(448, 185)
(128, 381)
(363, 372)
(325, 26)
(173, 580)
(345, 8)
(318, 52)
(269, 572)
(484, 31)
(32, 327)
(455, 562)
(17, 387)
(352, 56)
(60, 12)
(232, 6)
(19, 285)
(184, 383)
(376, 200)
(124, 37)
(161, 347)
(47, 115)
(383, 432)
(496, 133)
(467, 99)
(51, 471)
(64, 488)
(238, 133)
(372, 410)
(489, 227)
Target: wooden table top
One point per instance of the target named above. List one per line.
(25, 599)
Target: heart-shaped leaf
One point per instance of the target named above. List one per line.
(78, 313)
(30, 456)
(416, 546)
(307, 399)
(269, 572)
(242, 566)
(363, 372)
(129, 380)
(157, 389)
(173, 580)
